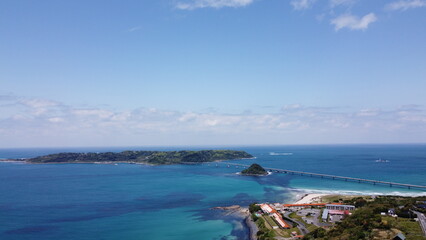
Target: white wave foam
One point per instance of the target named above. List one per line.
(237, 225)
(280, 154)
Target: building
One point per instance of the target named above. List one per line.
(304, 205)
(399, 236)
(335, 215)
(325, 215)
(340, 207)
(266, 208)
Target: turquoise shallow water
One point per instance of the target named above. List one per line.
(128, 201)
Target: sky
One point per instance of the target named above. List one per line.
(211, 72)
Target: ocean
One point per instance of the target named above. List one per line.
(132, 201)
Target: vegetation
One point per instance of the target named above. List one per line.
(366, 222)
(149, 157)
(255, 169)
(266, 225)
(410, 227)
(264, 232)
(254, 208)
(295, 216)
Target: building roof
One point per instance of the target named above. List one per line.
(399, 236)
(325, 214)
(266, 208)
(340, 205)
(338, 212)
(280, 220)
(304, 205)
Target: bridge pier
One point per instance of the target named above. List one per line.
(334, 177)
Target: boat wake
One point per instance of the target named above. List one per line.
(382, 160)
(280, 154)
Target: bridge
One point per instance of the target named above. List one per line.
(327, 176)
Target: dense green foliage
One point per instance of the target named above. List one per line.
(254, 169)
(254, 208)
(150, 157)
(366, 220)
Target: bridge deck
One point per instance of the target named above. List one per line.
(334, 177)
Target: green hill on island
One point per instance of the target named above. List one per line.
(148, 157)
(254, 169)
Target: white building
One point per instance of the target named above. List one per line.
(340, 207)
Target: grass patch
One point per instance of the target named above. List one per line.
(264, 231)
(270, 221)
(320, 216)
(310, 227)
(295, 216)
(411, 229)
(339, 198)
(287, 232)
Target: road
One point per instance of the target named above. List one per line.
(422, 220)
(300, 224)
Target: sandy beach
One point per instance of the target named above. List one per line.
(311, 198)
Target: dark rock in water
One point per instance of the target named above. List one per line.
(255, 169)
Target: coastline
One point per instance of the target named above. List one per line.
(244, 213)
(120, 162)
(311, 198)
(12, 161)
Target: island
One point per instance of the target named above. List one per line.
(255, 170)
(143, 157)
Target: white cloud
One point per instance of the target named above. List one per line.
(194, 4)
(133, 29)
(405, 5)
(335, 3)
(302, 4)
(99, 113)
(60, 124)
(353, 22)
(38, 103)
(368, 112)
(55, 120)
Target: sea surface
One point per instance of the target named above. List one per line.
(132, 201)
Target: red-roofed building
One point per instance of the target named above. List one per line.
(266, 208)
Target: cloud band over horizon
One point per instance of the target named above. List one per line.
(41, 122)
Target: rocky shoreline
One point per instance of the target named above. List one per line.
(245, 214)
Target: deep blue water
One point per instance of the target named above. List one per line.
(128, 201)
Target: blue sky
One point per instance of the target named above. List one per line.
(212, 72)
